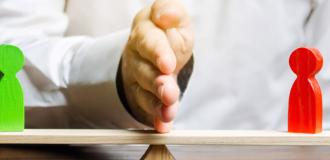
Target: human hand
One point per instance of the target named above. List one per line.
(159, 46)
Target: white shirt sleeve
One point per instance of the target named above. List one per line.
(67, 63)
(318, 36)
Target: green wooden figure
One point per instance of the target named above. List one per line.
(11, 92)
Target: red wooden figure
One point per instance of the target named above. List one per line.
(305, 101)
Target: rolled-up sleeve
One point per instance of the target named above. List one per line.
(78, 72)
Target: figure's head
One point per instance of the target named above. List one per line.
(306, 62)
(11, 59)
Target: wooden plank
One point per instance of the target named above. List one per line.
(233, 137)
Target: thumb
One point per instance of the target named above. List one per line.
(168, 14)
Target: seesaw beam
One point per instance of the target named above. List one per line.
(178, 137)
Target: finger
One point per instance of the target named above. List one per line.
(163, 86)
(167, 113)
(162, 127)
(145, 74)
(168, 89)
(171, 16)
(168, 14)
(153, 107)
(152, 44)
(181, 41)
(146, 101)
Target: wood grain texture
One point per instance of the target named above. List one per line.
(233, 137)
(181, 152)
(157, 152)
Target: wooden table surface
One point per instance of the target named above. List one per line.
(181, 152)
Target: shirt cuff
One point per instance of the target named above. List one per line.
(92, 85)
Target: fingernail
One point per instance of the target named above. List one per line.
(170, 94)
(168, 17)
(160, 91)
(161, 12)
(165, 91)
(168, 113)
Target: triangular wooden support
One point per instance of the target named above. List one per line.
(157, 152)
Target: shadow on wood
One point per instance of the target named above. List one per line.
(157, 152)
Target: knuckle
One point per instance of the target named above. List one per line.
(148, 43)
(140, 16)
(138, 29)
(141, 39)
(135, 89)
(140, 69)
(142, 72)
(131, 43)
(155, 102)
(135, 33)
(128, 60)
(188, 41)
(131, 37)
(148, 39)
(156, 46)
(143, 44)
